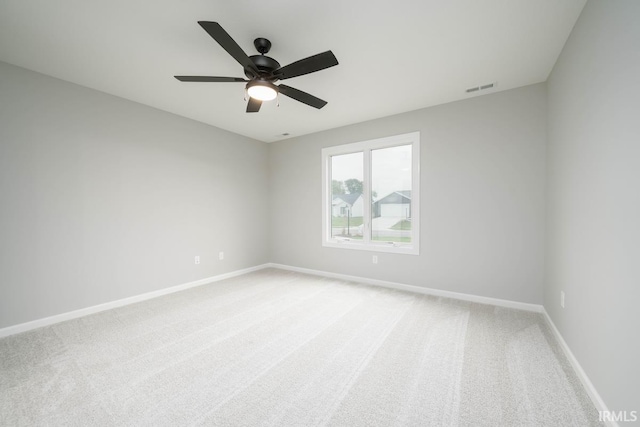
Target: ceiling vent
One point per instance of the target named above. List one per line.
(481, 87)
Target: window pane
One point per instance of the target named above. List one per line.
(347, 205)
(391, 194)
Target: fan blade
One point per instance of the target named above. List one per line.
(301, 96)
(254, 105)
(308, 65)
(224, 39)
(210, 79)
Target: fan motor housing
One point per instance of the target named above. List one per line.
(264, 64)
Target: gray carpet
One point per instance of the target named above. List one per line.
(275, 348)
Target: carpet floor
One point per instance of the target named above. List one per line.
(276, 348)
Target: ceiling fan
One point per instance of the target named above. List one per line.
(263, 71)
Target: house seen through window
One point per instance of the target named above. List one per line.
(369, 197)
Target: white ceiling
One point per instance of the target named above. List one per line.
(394, 56)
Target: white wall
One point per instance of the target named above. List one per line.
(482, 183)
(593, 251)
(102, 198)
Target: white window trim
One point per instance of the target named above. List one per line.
(366, 147)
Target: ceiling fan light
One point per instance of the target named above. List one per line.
(261, 90)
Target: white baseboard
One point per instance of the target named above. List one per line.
(27, 326)
(417, 289)
(584, 379)
(23, 327)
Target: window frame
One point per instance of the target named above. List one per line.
(366, 147)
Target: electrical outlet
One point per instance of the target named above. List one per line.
(197, 261)
(375, 259)
(562, 299)
(221, 256)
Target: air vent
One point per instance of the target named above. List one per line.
(481, 87)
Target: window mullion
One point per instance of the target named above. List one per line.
(366, 238)
(328, 173)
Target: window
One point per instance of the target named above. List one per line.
(370, 195)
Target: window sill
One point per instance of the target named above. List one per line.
(394, 248)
